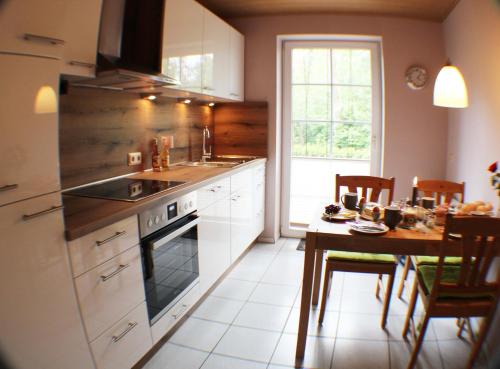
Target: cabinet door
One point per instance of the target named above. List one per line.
(258, 200)
(215, 56)
(236, 65)
(40, 323)
(182, 43)
(241, 221)
(29, 140)
(214, 242)
(32, 27)
(81, 26)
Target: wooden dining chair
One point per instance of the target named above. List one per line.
(463, 290)
(439, 190)
(357, 262)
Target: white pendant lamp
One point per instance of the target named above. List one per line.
(450, 90)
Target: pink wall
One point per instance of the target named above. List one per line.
(415, 130)
(472, 34)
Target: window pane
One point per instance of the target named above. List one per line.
(352, 104)
(361, 73)
(318, 103)
(311, 66)
(317, 139)
(299, 94)
(299, 139)
(341, 59)
(351, 141)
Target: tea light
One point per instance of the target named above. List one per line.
(414, 193)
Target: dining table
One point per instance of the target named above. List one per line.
(324, 235)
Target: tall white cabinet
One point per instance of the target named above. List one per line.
(40, 326)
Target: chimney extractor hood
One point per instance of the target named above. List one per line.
(130, 39)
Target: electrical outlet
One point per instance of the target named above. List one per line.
(134, 158)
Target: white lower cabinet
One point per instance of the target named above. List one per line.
(241, 221)
(122, 345)
(109, 291)
(40, 325)
(214, 242)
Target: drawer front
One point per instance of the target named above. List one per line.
(97, 247)
(241, 179)
(121, 346)
(167, 321)
(108, 292)
(213, 192)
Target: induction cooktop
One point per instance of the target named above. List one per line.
(125, 189)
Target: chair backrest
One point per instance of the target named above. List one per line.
(373, 185)
(439, 189)
(479, 245)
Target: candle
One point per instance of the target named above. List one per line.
(414, 192)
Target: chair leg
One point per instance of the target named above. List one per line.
(411, 307)
(418, 343)
(377, 289)
(483, 332)
(406, 269)
(387, 301)
(326, 291)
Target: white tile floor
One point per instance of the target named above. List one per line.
(250, 321)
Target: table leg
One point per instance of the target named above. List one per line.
(318, 268)
(305, 302)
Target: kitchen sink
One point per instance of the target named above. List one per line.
(222, 161)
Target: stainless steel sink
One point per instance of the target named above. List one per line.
(212, 164)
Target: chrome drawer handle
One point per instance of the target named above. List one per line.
(180, 312)
(43, 212)
(9, 187)
(81, 64)
(233, 94)
(50, 40)
(130, 326)
(116, 235)
(208, 88)
(112, 274)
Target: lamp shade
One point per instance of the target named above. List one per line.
(450, 90)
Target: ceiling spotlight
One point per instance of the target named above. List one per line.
(150, 96)
(185, 100)
(211, 104)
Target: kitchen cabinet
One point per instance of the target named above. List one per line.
(214, 241)
(236, 65)
(258, 199)
(241, 221)
(32, 27)
(216, 55)
(183, 44)
(29, 140)
(81, 27)
(40, 322)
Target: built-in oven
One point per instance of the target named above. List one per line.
(169, 245)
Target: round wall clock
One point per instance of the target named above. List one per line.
(416, 77)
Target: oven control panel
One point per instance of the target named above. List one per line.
(158, 217)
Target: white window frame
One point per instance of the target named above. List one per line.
(285, 46)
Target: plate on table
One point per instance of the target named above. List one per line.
(369, 227)
(341, 216)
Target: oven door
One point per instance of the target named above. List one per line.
(170, 263)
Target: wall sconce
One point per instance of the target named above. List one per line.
(150, 96)
(450, 90)
(45, 101)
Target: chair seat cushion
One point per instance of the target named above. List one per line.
(430, 260)
(361, 257)
(451, 274)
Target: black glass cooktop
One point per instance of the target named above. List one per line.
(125, 189)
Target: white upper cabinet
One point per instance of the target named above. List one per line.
(236, 65)
(216, 37)
(32, 27)
(29, 139)
(182, 43)
(81, 26)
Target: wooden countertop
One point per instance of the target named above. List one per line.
(83, 215)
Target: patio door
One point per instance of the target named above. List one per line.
(332, 122)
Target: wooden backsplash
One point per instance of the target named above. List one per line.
(98, 128)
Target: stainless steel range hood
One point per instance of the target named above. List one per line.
(129, 53)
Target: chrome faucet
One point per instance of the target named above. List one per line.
(207, 154)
